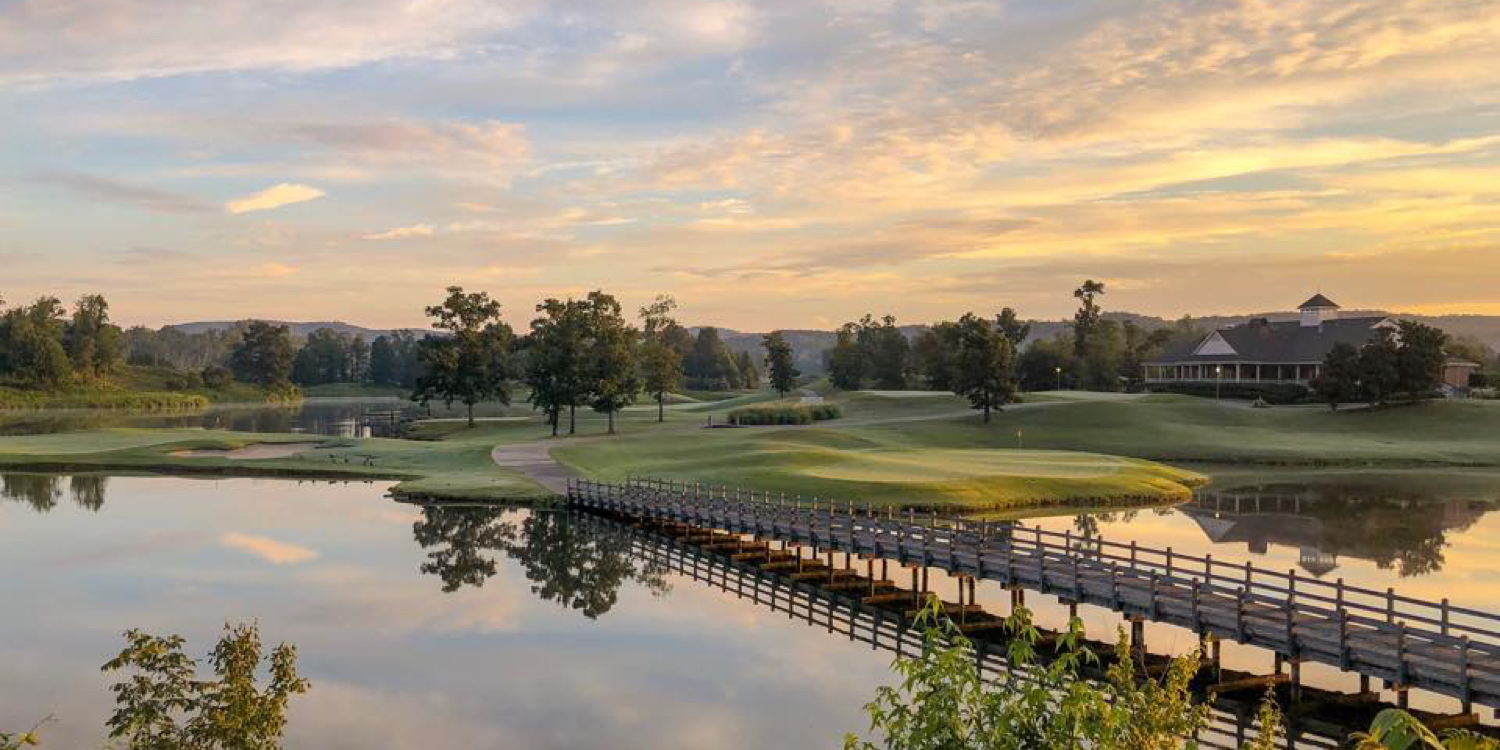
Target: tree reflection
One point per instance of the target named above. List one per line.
(460, 538)
(87, 491)
(40, 491)
(567, 557)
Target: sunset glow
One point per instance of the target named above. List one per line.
(771, 164)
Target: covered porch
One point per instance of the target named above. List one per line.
(1232, 372)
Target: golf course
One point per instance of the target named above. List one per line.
(910, 449)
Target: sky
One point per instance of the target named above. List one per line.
(770, 163)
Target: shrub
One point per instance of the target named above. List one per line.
(783, 413)
(1273, 393)
(217, 378)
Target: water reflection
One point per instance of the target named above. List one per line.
(334, 417)
(1402, 529)
(577, 567)
(42, 492)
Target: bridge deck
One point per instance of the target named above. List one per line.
(1410, 643)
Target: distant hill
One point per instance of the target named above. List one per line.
(298, 329)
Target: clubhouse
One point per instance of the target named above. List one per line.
(1262, 351)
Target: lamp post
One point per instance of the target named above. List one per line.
(1059, 377)
(1218, 380)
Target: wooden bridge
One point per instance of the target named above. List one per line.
(1408, 643)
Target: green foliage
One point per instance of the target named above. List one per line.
(985, 365)
(1394, 729)
(709, 365)
(556, 368)
(1271, 393)
(1087, 320)
(473, 362)
(613, 376)
(784, 414)
(944, 703)
(161, 704)
(869, 349)
(1420, 361)
(934, 356)
(330, 356)
(1338, 379)
(661, 360)
(264, 355)
(780, 361)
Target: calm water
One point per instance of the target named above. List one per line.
(463, 630)
(489, 628)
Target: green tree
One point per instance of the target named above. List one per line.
(556, 360)
(886, 351)
(163, 705)
(749, 373)
(1086, 320)
(1048, 364)
(322, 358)
(385, 364)
(32, 354)
(935, 356)
(1420, 359)
(1012, 328)
(779, 359)
(943, 702)
(1380, 369)
(661, 361)
(846, 360)
(472, 363)
(93, 343)
(709, 364)
(985, 372)
(1338, 380)
(264, 355)
(614, 358)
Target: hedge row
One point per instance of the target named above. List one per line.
(784, 413)
(1273, 393)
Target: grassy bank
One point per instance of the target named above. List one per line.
(869, 466)
(11, 398)
(136, 388)
(455, 468)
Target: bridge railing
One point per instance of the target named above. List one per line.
(1411, 628)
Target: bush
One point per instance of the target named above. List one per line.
(217, 378)
(784, 413)
(1273, 393)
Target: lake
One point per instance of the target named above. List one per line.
(505, 628)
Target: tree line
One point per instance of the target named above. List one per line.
(42, 345)
(579, 353)
(1407, 361)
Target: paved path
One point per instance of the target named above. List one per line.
(535, 462)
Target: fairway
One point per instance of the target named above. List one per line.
(938, 465)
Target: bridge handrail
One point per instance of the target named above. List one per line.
(1435, 622)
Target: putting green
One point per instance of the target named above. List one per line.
(904, 467)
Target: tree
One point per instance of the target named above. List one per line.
(93, 343)
(472, 363)
(1380, 368)
(886, 351)
(1048, 364)
(614, 374)
(556, 366)
(264, 355)
(1420, 360)
(1087, 319)
(31, 350)
(385, 365)
(1338, 380)
(783, 373)
(1012, 328)
(985, 365)
(749, 373)
(846, 360)
(934, 355)
(709, 365)
(163, 705)
(661, 361)
(323, 358)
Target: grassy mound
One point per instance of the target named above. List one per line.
(869, 466)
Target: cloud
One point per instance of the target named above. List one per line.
(270, 550)
(403, 233)
(274, 197)
(113, 191)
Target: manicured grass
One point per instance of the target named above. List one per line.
(456, 468)
(1454, 433)
(867, 466)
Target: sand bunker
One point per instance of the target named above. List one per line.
(259, 451)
